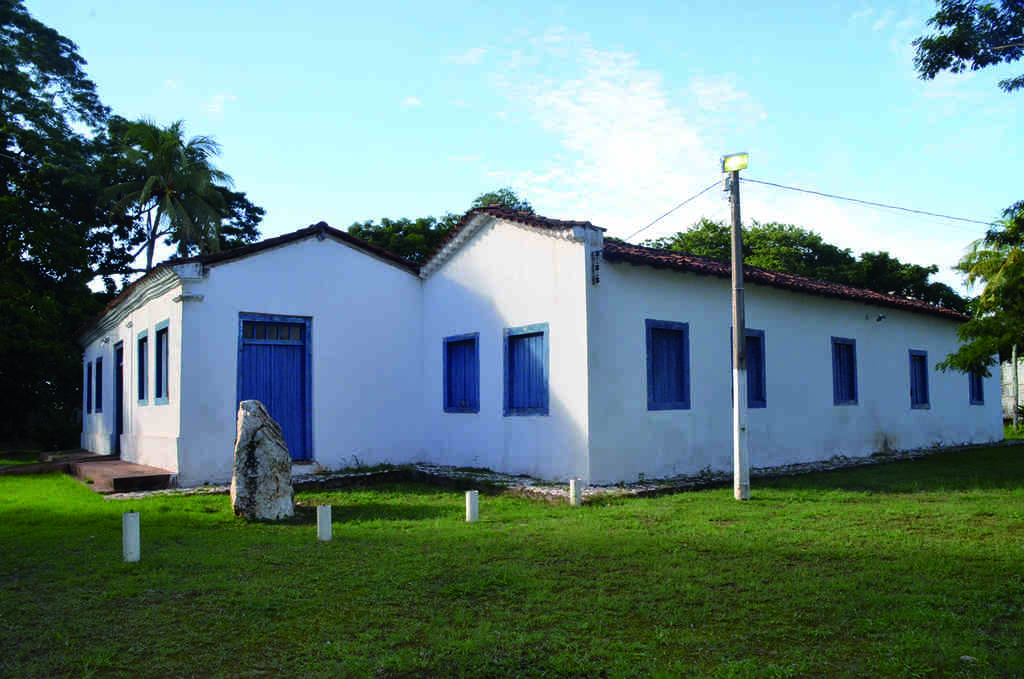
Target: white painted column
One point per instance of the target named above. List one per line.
(323, 523)
(472, 506)
(130, 536)
(575, 492)
(740, 454)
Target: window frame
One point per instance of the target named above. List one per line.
(651, 324)
(976, 398)
(926, 403)
(509, 335)
(142, 367)
(852, 343)
(161, 359)
(474, 406)
(97, 376)
(762, 373)
(88, 387)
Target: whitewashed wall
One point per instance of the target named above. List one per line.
(366, 341)
(508, 275)
(800, 422)
(151, 431)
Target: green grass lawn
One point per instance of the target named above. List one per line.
(890, 571)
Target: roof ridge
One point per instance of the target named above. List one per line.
(700, 264)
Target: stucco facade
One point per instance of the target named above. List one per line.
(377, 373)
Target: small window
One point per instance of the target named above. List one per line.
(976, 387)
(757, 393)
(918, 379)
(462, 374)
(161, 391)
(98, 375)
(526, 370)
(668, 365)
(844, 371)
(142, 365)
(88, 387)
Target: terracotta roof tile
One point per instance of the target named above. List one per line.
(678, 261)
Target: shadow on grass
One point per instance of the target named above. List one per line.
(965, 470)
(305, 514)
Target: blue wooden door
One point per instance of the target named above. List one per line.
(272, 368)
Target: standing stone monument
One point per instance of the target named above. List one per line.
(261, 485)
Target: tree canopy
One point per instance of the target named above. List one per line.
(973, 35)
(61, 225)
(415, 239)
(792, 249)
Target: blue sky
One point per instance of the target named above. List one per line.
(342, 111)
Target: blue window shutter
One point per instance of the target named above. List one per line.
(668, 365)
(976, 389)
(98, 375)
(757, 396)
(462, 374)
(142, 358)
(161, 391)
(919, 379)
(526, 370)
(88, 387)
(844, 371)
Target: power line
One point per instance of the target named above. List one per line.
(691, 198)
(867, 202)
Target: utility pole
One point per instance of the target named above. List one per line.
(740, 458)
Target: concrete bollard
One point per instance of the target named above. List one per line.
(130, 536)
(472, 506)
(575, 492)
(323, 523)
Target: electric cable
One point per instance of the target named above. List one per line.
(867, 202)
(690, 199)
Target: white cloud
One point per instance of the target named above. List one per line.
(883, 20)
(862, 14)
(411, 102)
(718, 94)
(471, 56)
(215, 104)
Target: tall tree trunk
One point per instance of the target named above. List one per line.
(150, 240)
(1015, 391)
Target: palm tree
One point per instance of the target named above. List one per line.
(177, 191)
(997, 261)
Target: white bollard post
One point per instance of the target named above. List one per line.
(575, 492)
(323, 523)
(472, 506)
(130, 536)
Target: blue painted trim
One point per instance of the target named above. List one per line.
(88, 387)
(142, 399)
(163, 399)
(835, 382)
(526, 330)
(651, 324)
(97, 375)
(307, 335)
(926, 403)
(473, 407)
(758, 403)
(976, 397)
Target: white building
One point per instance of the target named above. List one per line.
(526, 345)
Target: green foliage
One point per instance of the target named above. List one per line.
(416, 239)
(895, 570)
(505, 197)
(997, 262)
(973, 35)
(792, 249)
(61, 225)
